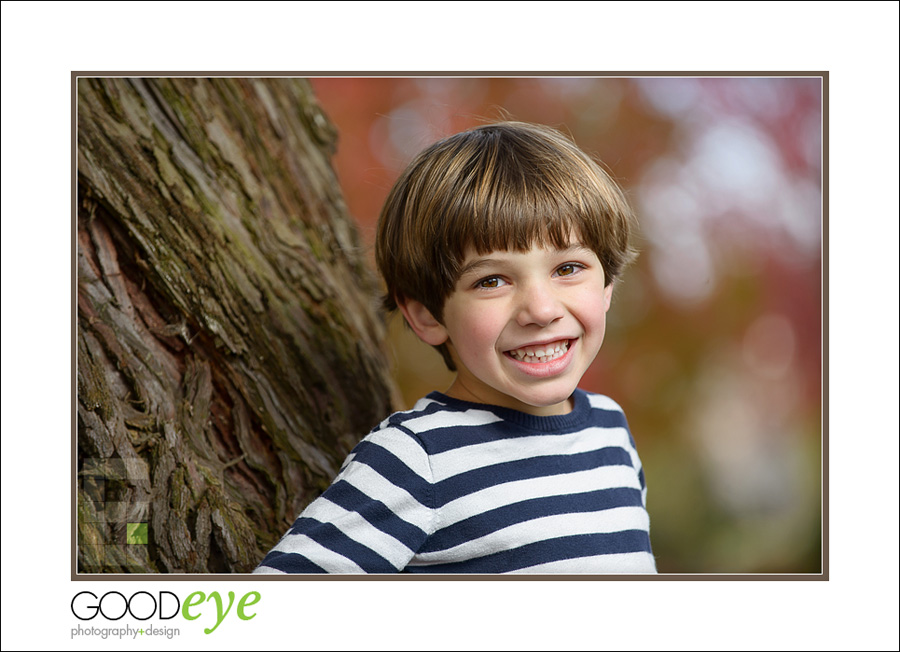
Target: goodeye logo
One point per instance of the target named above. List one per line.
(165, 605)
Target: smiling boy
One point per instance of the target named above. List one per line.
(500, 245)
(521, 327)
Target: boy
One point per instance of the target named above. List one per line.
(500, 246)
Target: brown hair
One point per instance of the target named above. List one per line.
(497, 187)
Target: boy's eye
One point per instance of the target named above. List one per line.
(568, 269)
(488, 283)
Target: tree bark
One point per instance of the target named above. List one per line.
(229, 352)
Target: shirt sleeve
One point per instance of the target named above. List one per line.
(614, 416)
(372, 519)
(636, 460)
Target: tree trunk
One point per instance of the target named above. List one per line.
(229, 350)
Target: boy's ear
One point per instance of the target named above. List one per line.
(607, 296)
(423, 323)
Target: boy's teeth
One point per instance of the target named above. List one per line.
(543, 354)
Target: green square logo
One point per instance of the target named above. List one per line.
(136, 534)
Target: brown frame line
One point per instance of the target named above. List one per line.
(824, 479)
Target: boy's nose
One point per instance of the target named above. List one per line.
(539, 306)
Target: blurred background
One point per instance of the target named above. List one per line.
(714, 340)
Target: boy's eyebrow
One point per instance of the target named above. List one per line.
(477, 264)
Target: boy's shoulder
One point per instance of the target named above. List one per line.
(434, 423)
(439, 411)
(602, 402)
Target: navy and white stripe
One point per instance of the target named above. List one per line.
(457, 487)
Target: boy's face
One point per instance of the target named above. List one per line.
(522, 327)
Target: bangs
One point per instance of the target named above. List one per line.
(515, 215)
(511, 198)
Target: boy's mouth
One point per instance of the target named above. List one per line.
(541, 353)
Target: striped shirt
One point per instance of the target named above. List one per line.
(458, 487)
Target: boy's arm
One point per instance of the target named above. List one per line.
(617, 414)
(373, 517)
